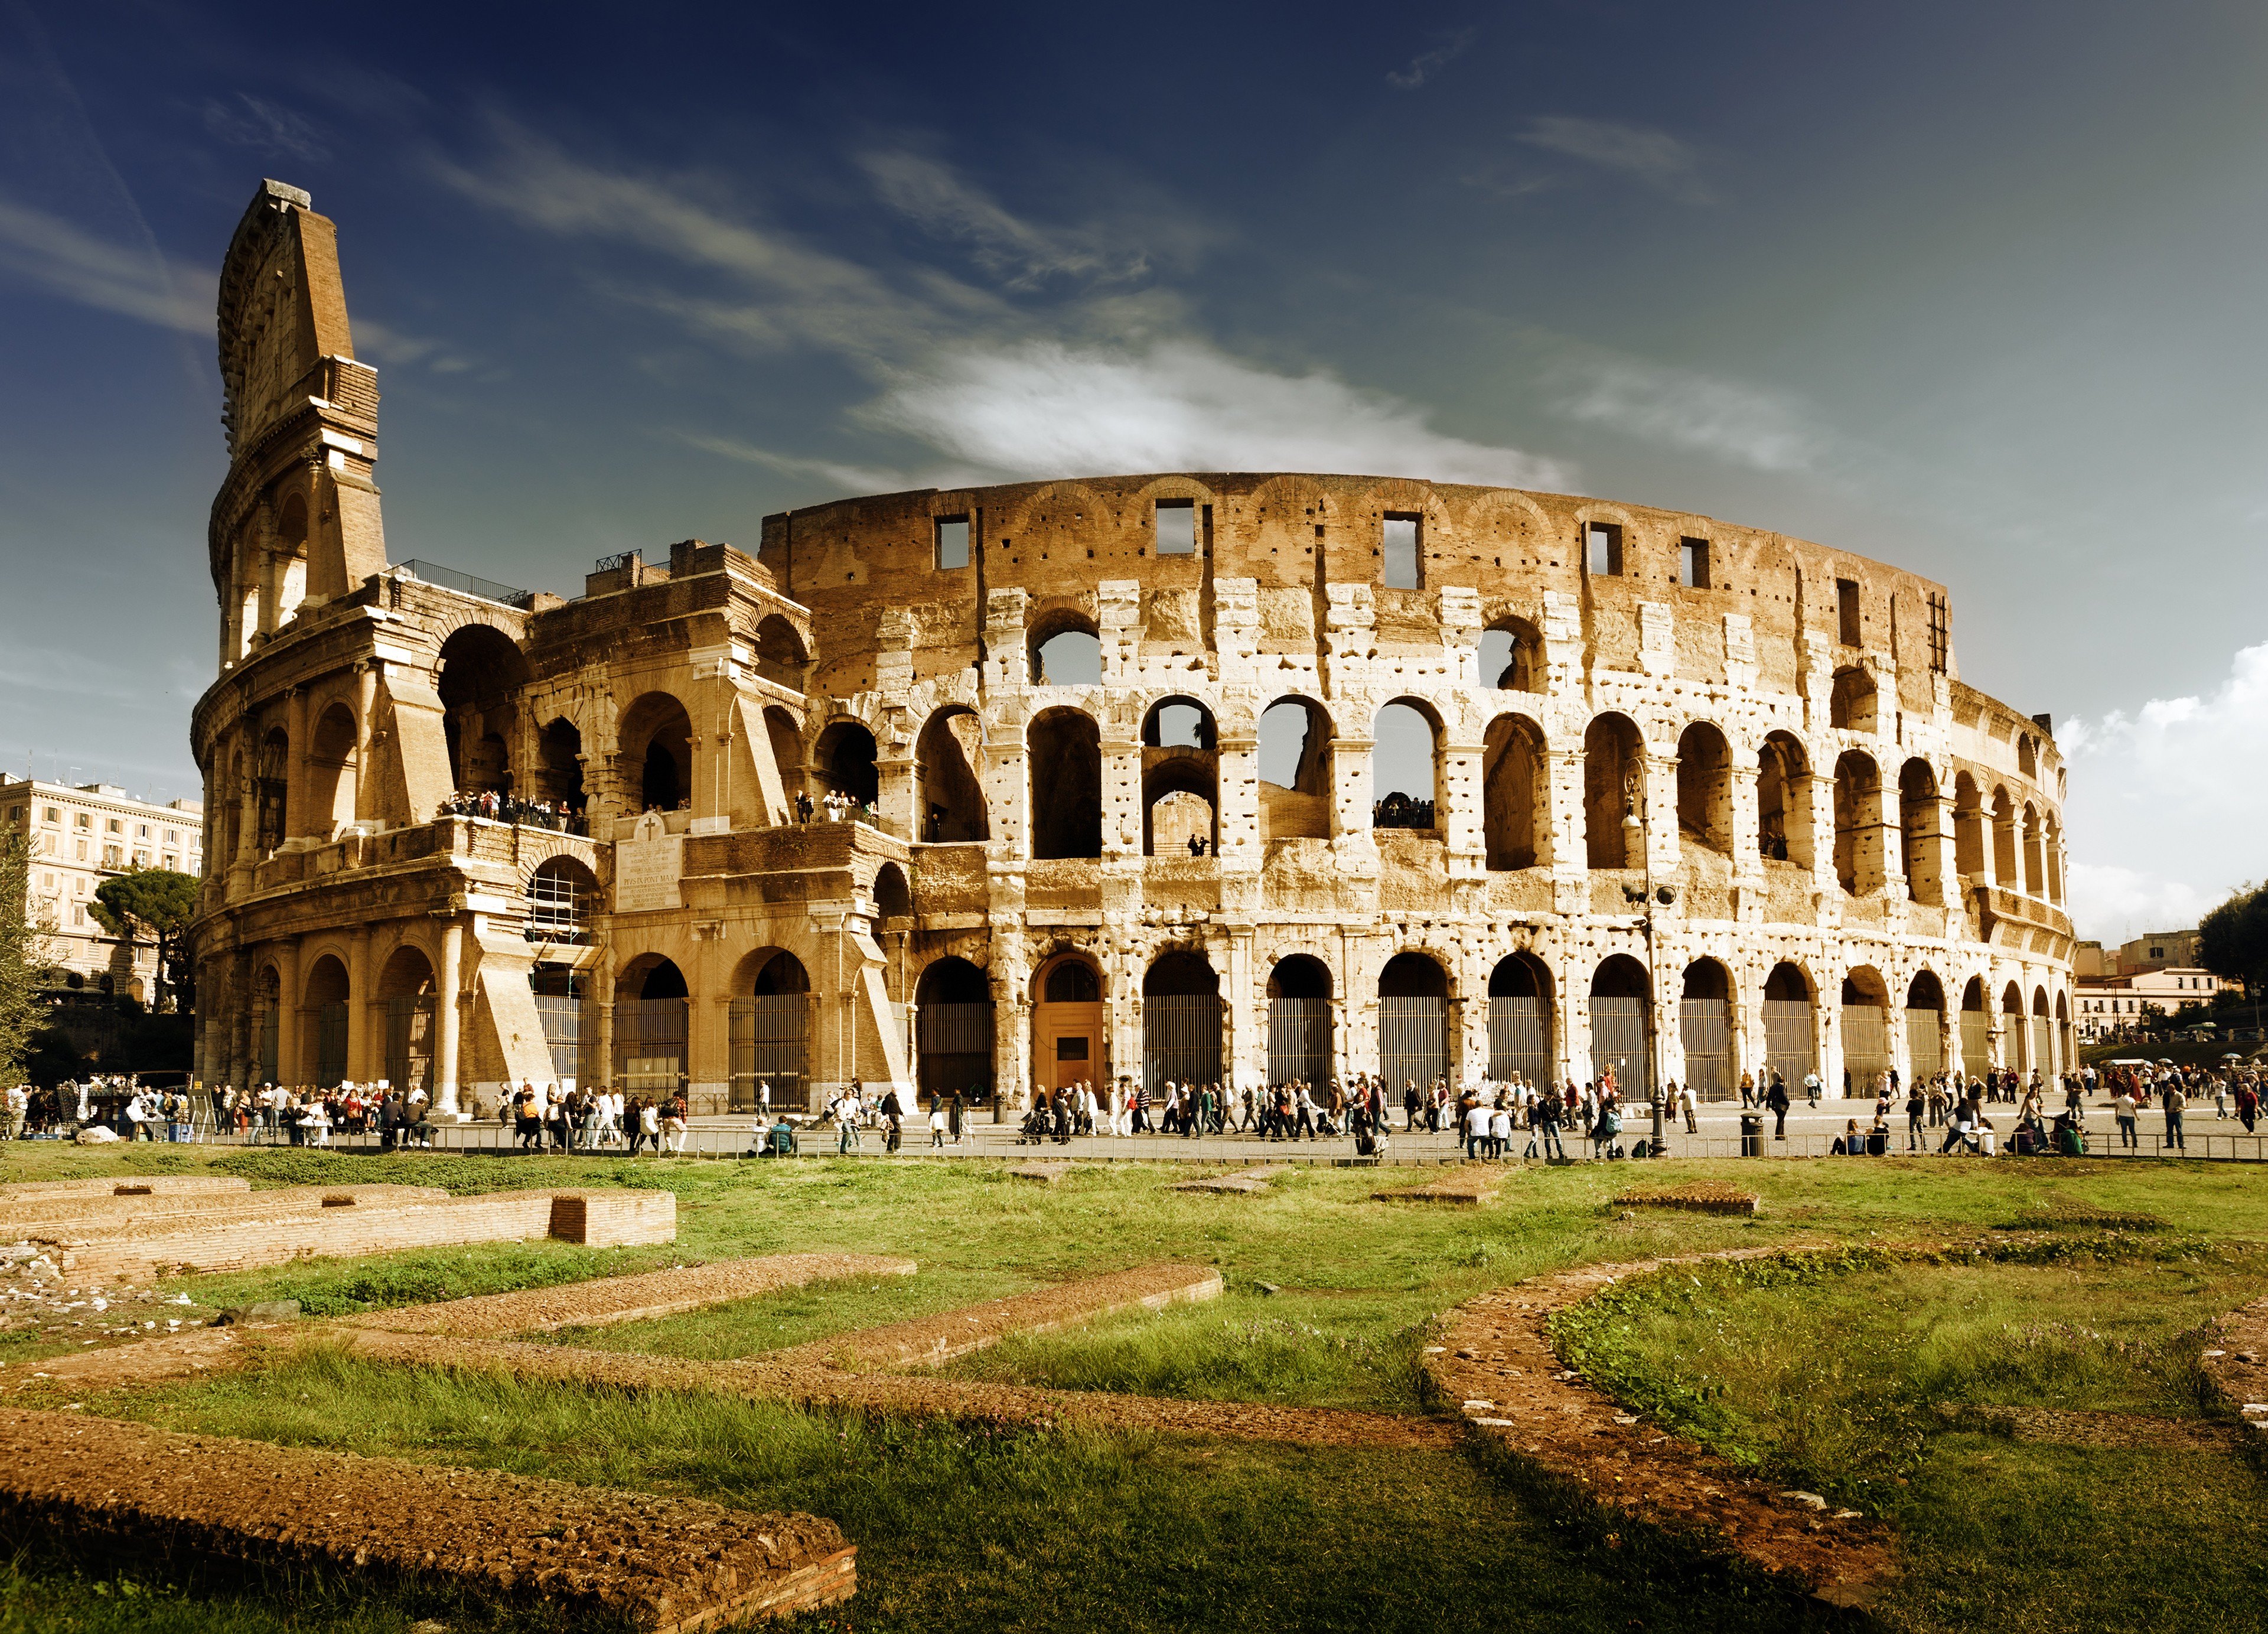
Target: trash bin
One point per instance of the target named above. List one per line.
(1752, 1134)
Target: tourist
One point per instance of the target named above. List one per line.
(936, 1126)
(1747, 1089)
(1812, 1087)
(1500, 1130)
(1777, 1101)
(1917, 1109)
(2247, 1104)
(674, 1123)
(1690, 1104)
(650, 1124)
(2124, 1109)
(2172, 1101)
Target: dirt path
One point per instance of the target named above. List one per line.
(1497, 1363)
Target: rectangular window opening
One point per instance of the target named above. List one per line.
(1177, 528)
(1602, 550)
(1693, 564)
(952, 541)
(1940, 633)
(1846, 609)
(1403, 569)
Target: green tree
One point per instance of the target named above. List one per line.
(2233, 939)
(151, 905)
(23, 955)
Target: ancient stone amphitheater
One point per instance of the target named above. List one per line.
(1236, 776)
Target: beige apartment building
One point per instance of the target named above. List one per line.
(2108, 1004)
(81, 834)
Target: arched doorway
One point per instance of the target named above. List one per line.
(2042, 1056)
(559, 776)
(952, 800)
(1924, 1029)
(1513, 789)
(845, 759)
(333, 767)
(1294, 762)
(1180, 1021)
(1704, 788)
(327, 1001)
(1618, 1000)
(1413, 1022)
(1866, 1032)
(1181, 780)
(406, 989)
(1520, 1019)
(953, 1030)
(481, 674)
(1613, 761)
(2015, 1035)
(1512, 656)
(770, 1020)
(1065, 759)
(1784, 800)
(1299, 1020)
(1859, 855)
(1405, 767)
(650, 1007)
(1791, 1032)
(1704, 1027)
(1918, 816)
(1070, 1044)
(1976, 1029)
(656, 739)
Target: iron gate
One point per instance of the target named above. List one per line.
(1791, 1048)
(1299, 1041)
(1413, 1040)
(1618, 1039)
(956, 1048)
(768, 1048)
(409, 1043)
(1925, 1044)
(1705, 1026)
(1520, 1040)
(1181, 1040)
(650, 1046)
(1865, 1048)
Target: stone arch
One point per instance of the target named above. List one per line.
(656, 739)
(1614, 770)
(1791, 1024)
(1865, 1025)
(953, 1029)
(1066, 649)
(1413, 1014)
(334, 768)
(2027, 757)
(479, 675)
(325, 993)
(1859, 838)
(1784, 799)
(408, 996)
(2052, 848)
(561, 893)
(271, 789)
(2004, 872)
(1969, 842)
(1300, 1019)
(786, 735)
(782, 653)
(1402, 796)
(1704, 788)
(1181, 778)
(946, 754)
(1070, 1042)
(768, 972)
(1704, 1028)
(559, 765)
(653, 1015)
(1620, 995)
(1511, 655)
(1065, 754)
(1919, 815)
(844, 762)
(1924, 1026)
(1520, 1019)
(1515, 788)
(1851, 702)
(893, 899)
(1180, 1020)
(2035, 865)
(1294, 763)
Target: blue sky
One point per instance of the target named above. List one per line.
(1973, 289)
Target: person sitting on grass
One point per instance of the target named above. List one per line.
(1850, 1143)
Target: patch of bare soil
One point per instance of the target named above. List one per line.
(2140, 1432)
(926, 1341)
(1701, 1197)
(1243, 1182)
(606, 1301)
(660, 1563)
(1456, 1186)
(2236, 1361)
(1497, 1363)
(177, 1356)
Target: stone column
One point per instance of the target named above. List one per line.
(1244, 1057)
(1463, 816)
(1238, 763)
(289, 1067)
(365, 697)
(1351, 788)
(295, 764)
(900, 803)
(1123, 817)
(448, 1017)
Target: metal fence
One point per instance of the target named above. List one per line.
(1791, 1047)
(1976, 1042)
(1299, 1039)
(1413, 1040)
(1866, 1047)
(1705, 1026)
(563, 1032)
(1924, 1045)
(1520, 1040)
(471, 584)
(650, 1046)
(768, 1035)
(409, 1042)
(1181, 1040)
(955, 1053)
(1618, 1039)
(331, 1043)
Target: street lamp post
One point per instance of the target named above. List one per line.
(1637, 825)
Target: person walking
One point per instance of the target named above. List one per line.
(1916, 1109)
(2171, 1100)
(1777, 1101)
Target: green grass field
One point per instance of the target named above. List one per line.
(1826, 1374)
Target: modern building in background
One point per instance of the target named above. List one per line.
(2112, 1006)
(2157, 950)
(1229, 776)
(79, 836)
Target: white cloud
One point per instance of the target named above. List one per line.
(66, 261)
(1044, 408)
(1683, 410)
(1428, 62)
(250, 122)
(2164, 804)
(935, 197)
(1653, 157)
(857, 479)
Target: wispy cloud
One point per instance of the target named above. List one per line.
(855, 478)
(2165, 801)
(59, 257)
(1655, 157)
(1431, 61)
(245, 120)
(1681, 408)
(1046, 408)
(937, 199)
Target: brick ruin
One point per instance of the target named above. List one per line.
(1478, 779)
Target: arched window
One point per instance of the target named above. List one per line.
(561, 893)
(1924, 1029)
(2027, 757)
(333, 770)
(1069, 1038)
(560, 778)
(845, 757)
(1513, 789)
(1064, 758)
(946, 756)
(1613, 789)
(1405, 767)
(271, 789)
(482, 673)
(1512, 656)
(656, 739)
(2004, 842)
(1705, 788)
(954, 1001)
(1520, 1020)
(1180, 779)
(1784, 800)
(1969, 823)
(1918, 817)
(1066, 650)
(1859, 853)
(780, 655)
(1298, 1021)
(2034, 864)
(1850, 706)
(892, 898)
(1413, 1021)
(1295, 771)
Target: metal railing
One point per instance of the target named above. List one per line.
(470, 584)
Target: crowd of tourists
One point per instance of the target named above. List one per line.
(496, 806)
(550, 1118)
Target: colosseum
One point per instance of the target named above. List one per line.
(1222, 776)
